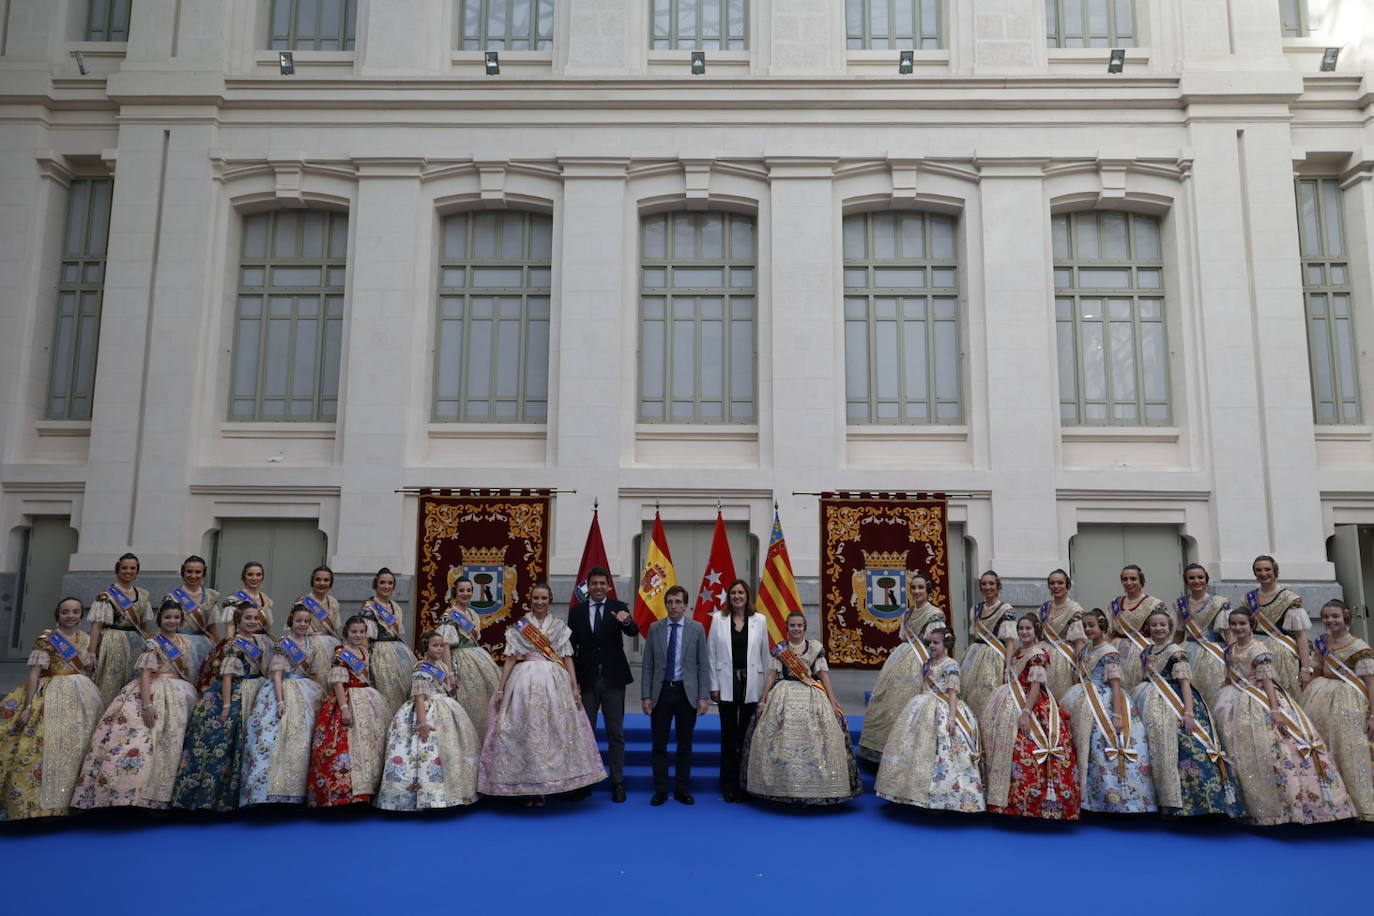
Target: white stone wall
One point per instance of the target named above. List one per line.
(1204, 129)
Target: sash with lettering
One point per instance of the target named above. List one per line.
(319, 610)
(439, 674)
(383, 615)
(242, 595)
(355, 662)
(250, 648)
(1296, 723)
(1210, 745)
(169, 651)
(65, 650)
(1054, 639)
(1119, 747)
(462, 621)
(1340, 671)
(124, 603)
(189, 606)
(535, 637)
(793, 663)
(1135, 636)
(1195, 632)
(960, 720)
(295, 654)
(1270, 628)
(1049, 745)
(980, 629)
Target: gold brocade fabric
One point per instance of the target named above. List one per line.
(40, 762)
(1063, 622)
(898, 682)
(923, 764)
(478, 677)
(1339, 711)
(1209, 672)
(119, 648)
(1276, 611)
(984, 667)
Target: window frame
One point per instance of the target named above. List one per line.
(668, 292)
(1056, 26)
(1318, 254)
(291, 39)
(324, 390)
(107, 20)
(484, 42)
(72, 367)
(674, 41)
(1136, 294)
(929, 319)
(916, 41)
(528, 263)
(1304, 24)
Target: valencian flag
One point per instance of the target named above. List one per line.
(657, 578)
(777, 587)
(720, 572)
(593, 554)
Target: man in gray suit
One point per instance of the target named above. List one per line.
(675, 684)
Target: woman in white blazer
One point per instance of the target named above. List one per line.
(737, 651)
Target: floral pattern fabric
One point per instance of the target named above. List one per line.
(276, 744)
(1018, 782)
(897, 682)
(1111, 783)
(441, 772)
(345, 762)
(923, 763)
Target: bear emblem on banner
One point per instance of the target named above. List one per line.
(494, 584)
(880, 590)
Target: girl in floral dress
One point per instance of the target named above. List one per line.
(1031, 766)
(46, 722)
(1287, 775)
(477, 674)
(117, 616)
(992, 636)
(347, 745)
(1114, 771)
(1340, 701)
(431, 747)
(276, 744)
(901, 672)
(931, 760)
(1192, 775)
(136, 748)
(213, 754)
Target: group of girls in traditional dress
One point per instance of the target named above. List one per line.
(1194, 708)
(1185, 708)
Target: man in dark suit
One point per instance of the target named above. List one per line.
(675, 685)
(599, 626)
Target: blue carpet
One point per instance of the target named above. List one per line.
(595, 856)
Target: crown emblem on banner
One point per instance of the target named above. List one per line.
(885, 559)
(483, 556)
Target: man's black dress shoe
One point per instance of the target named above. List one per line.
(659, 798)
(618, 792)
(685, 797)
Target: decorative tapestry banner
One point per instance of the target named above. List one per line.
(497, 538)
(873, 546)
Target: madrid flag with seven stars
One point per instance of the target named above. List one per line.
(777, 586)
(720, 572)
(657, 578)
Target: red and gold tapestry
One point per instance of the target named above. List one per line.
(873, 544)
(497, 538)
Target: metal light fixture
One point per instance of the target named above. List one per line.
(1329, 57)
(493, 61)
(81, 63)
(906, 62)
(1117, 62)
(698, 63)
(286, 63)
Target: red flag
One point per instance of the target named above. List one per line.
(720, 572)
(778, 587)
(593, 554)
(655, 580)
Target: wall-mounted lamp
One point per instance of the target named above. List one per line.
(1117, 62)
(698, 63)
(81, 63)
(286, 63)
(1329, 57)
(493, 61)
(906, 62)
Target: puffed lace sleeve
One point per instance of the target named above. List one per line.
(148, 658)
(1295, 619)
(449, 632)
(338, 674)
(371, 628)
(1183, 671)
(231, 665)
(279, 662)
(423, 686)
(102, 611)
(1262, 666)
(40, 659)
(1113, 671)
(819, 664)
(1007, 628)
(225, 614)
(952, 678)
(1363, 668)
(1075, 631)
(774, 665)
(1036, 674)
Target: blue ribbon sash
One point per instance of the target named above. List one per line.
(382, 612)
(248, 647)
(319, 610)
(183, 597)
(432, 670)
(119, 598)
(294, 653)
(62, 646)
(353, 661)
(461, 620)
(168, 647)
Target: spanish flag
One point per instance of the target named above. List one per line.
(778, 587)
(654, 582)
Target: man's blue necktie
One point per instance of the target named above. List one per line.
(672, 652)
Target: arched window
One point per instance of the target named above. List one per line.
(901, 319)
(491, 361)
(1109, 315)
(697, 310)
(288, 326)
